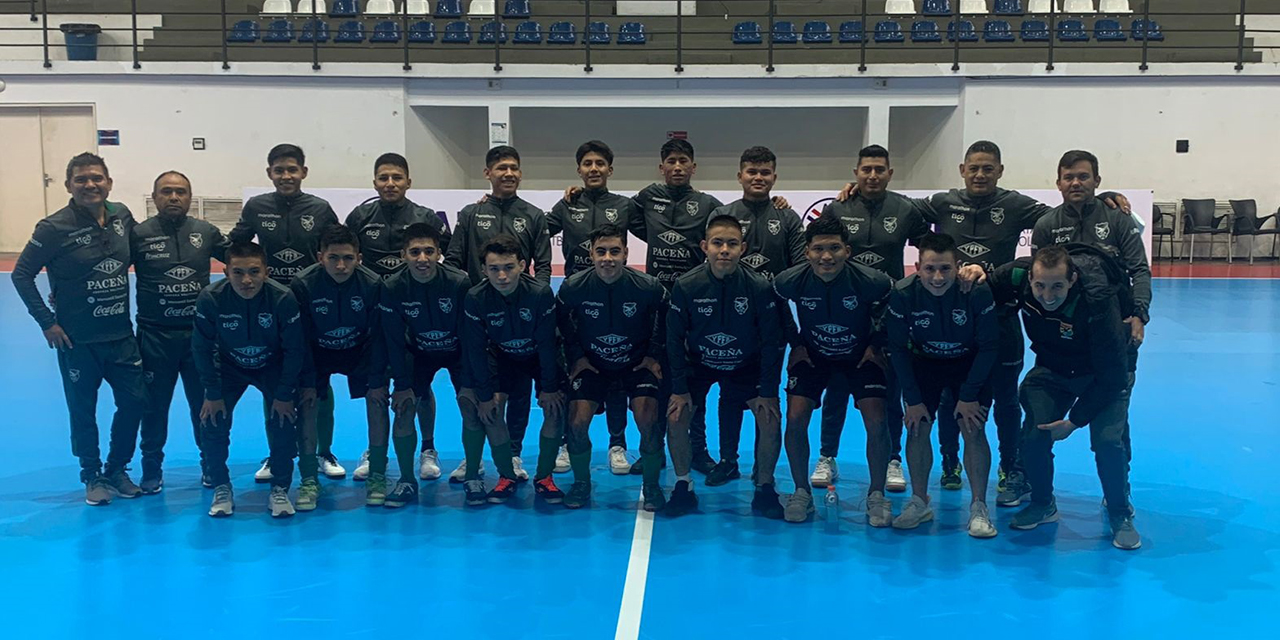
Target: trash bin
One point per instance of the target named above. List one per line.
(82, 40)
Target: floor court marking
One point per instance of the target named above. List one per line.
(637, 576)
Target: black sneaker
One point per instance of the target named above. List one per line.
(405, 492)
(579, 495)
(206, 480)
(654, 499)
(505, 488)
(683, 499)
(951, 475)
(703, 462)
(475, 493)
(122, 485)
(767, 503)
(637, 467)
(723, 472)
(151, 483)
(1014, 491)
(547, 490)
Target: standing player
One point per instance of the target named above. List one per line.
(837, 350)
(380, 224)
(338, 299)
(509, 340)
(288, 224)
(85, 247)
(248, 333)
(504, 212)
(171, 257)
(613, 321)
(723, 328)
(586, 210)
(943, 338)
(422, 325)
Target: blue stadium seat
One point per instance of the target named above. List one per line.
(936, 8)
(528, 32)
(747, 33)
(450, 9)
(344, 9)
(313, 31)
(1008, 8)
(1072, 31)
(350, 31)
(784, 32)
(1109, 30)
(386, 31)
(1035, 31)
(563, 32)
(598, 33)
(457, 32)
(279, 30)
(516, 9)
(491, 31)
(921, 31)
(851, 31)
(998, 31)
(817, 32)
(243, 31)
(1147, 30)
(632, 33)
(422, 31)
(965, 31)
(890, 31)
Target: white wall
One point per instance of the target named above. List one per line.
(23, 39)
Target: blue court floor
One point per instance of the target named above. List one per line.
(1204, 470)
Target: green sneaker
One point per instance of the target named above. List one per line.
(375, 490)
(1000, 482)
(579, 495)
(951, 476)
(308, 495)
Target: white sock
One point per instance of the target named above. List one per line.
(685, 478)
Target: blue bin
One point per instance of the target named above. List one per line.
(82, 40)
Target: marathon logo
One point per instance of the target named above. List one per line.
(108, 266)
(720, 339)
(180, 272)
(180, 312)
(671, 237)
(177, 289)
(108, 310)
(973, 249)
(287, 255)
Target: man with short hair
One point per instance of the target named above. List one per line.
(613, 320)
(586, 210)
(380, 223)
(85, 247)
(943, 338)
(509, 341)
(248, 333)
(837, 350)
(338, 298)
(171, 257)
(288, 224)
(723, 328)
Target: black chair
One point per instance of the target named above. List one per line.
(1247, 223)
(1198, 219)
(1160, 231)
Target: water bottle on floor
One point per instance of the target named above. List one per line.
(832, 506)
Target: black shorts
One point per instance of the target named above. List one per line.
(810, 381)
(736, 387)
(934, 375)
(514, 376)
(353, 363)
(595, 387)
(425, 368)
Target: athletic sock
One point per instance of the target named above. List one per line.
(685, 478)
(502, 459)
(652, 467)
(308, 466)
(428, 444)
(473, 449)
(581, 463)
(548, 449)
(377, 459)
(324, 423)
(405, 446)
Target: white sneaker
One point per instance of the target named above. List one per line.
(562, 461)
(825, 473)
(330, 468)
(916, 512)
(362, 467)
(895, 481)
(518, 465)
(980, 521)
(279, 503)
(618, 462)
(460, 474)
(263, 474)
(879, 510)
(223, 504)
(429, 465)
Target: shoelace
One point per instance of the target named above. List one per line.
(279, 497)
(222, 495)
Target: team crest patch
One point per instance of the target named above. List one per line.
(446, 304)
(1102, 230)
(611, 215)
(118, 227)
(629, 309)
(850, 302)
(526, 315)
(691, 207)
(577, 383)
(357, 303)
(149, 376)
(775, 227)
(997, 215)
(1066, 331)
(740, 305)
(891, 224)
(308, 222)
(73, 375)
(959, 316)
(518, 224)
(265, 320)
(196, 240)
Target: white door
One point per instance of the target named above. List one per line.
(38, 143)
(65, 132)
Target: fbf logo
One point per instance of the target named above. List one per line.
(850, 302)
(180, 272)
(740, 305)
(691, 207)
(446, 304)
(288, 256)
(526, 314)
(196, 240)
(959, 316)
(629, 309)
(308, 222)
(357, 303)
(108, 266)
(720, 339)
(611, 215)
(1102, 230)
(73, 375)
(118, 227)
(997, 215)
(775, 227)
(519, 225)
(265, 320)
(890, 224)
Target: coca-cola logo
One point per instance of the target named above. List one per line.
(108, 310)
(180, 312)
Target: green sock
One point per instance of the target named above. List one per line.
(502, 459)
(378, 459)
(308, 467)
(406, 446)
(473, 449)
(548, 448)
(652, 464)
(324, 423)
(581, 463)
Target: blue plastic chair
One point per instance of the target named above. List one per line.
(998, 31)
(851, 31)
(1142, 29)
(528, 32)
(279, 30)
(491, 31)
(516, 9)
(598, 33)
(936, 8)
(1072, 31)
(313, 31)
(1035, 31)
(890, 31)
(1109, 30)
(449, 9)
(386, 31)
(747, 33)
(344, 9)
(784, 32)
(921, 31)
(563, 32)
(964, 30)
(1008, 8)
(422, 31)
(350, 32)
(632, 33)
(817, 32)
(243, 31)
(457, 32)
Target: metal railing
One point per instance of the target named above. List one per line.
(774, 34)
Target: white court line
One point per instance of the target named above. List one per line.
(637, 576)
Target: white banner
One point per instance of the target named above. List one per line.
(807, 203)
